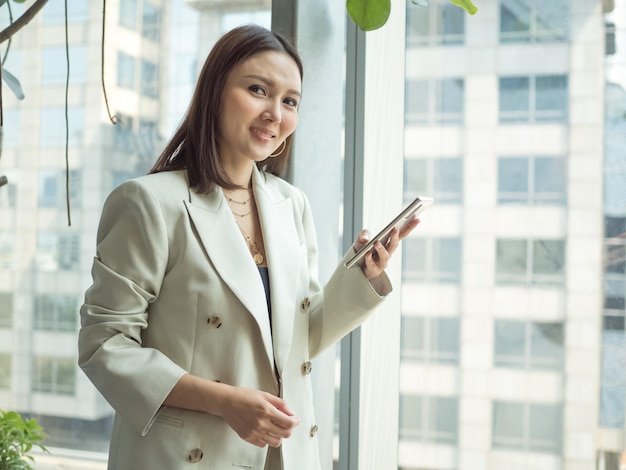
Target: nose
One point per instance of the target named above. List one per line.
(272, 111)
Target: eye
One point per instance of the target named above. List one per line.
(291, 102)
(257, 89)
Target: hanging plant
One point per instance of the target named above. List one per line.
(373, 14)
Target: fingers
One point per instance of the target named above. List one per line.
(408, 227)
(361, 239)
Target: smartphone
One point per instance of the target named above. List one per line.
(414, 208)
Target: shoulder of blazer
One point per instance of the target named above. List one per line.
(279, 189)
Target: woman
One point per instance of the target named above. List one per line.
(205, 309)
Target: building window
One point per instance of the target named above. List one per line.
(56, 312)
(613, 372)
(57, 252)
(435, 102)
(125, 71)
(147, 138)
(52, 188)
(441, 178)
(529, 345)
(7, 249)
(432, 260)
(54, 375)
(5, 370)
(532, 180)
(433, 340)
(533, 99)
(533, 20)
(149, 79)
(530, 427)
(77, 11)
(429, 419)
(128, 14)
(150, 27)
(530, 262)
(54, 65)
(53, 126)
(439, 23)
(6, 309)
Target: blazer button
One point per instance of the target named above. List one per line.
(306, 368)
(313, 431)
(214, 321)
(195, 455)
(306, 303)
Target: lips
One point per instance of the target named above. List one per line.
(263, 134)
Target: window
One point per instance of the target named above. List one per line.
(429, 419)
(125, 71)
(150, 27)
(441, 178)
(6, 309)
(5, 370)
(531, 180)
(54, 65)
(52, 188)
(530, 427)
(615, 264)
(147, 138)
(432, 259)
(149, 79)
(128, 14)
(57, 252)
(77, 11)
(533, 20)
(439, 23)
(533, 99)
(435, 102)
(55, 375)
(56, 312)
(430, 339)
(528, 345)
(7, 249)
(613, 381)
(53, 126)
(530, 262)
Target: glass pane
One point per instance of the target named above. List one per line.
(515, 20)
(448, 180)
(411, 416)
(508, 425)
(451, 24)
(415, 178)
(545, 428)
(512, 180)
(549, 177)
(412, 342)
(445, 340)
(414, 259)
(510, 343)
(549, 258)
(448, 260)
(546, 345)
(551, 98)
(417, 101)
(452, 101)
(552, 19)
(514, 99)
(511, 259)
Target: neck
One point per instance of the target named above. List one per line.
(241, 176)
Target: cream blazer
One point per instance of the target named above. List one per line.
(175, 290)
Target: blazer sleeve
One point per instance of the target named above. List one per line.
(130, 263)
(347, 299)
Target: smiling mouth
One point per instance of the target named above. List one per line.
(262, 134)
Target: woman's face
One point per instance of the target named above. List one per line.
(259, 108)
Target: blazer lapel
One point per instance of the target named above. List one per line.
(227, 251)
(283, 259)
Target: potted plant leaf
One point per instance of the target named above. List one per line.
(18, 436)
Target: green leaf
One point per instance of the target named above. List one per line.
(2, 2)
(19, 1)
(467, 5)
(369, 14)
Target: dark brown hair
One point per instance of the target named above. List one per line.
(194, 145)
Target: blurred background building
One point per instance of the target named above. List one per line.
(512, 346)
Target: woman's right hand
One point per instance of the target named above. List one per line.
(259, 418)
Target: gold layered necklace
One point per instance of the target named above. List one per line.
(254, 248)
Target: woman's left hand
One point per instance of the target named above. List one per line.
(377, 259)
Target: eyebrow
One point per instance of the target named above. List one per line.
(269, 82)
